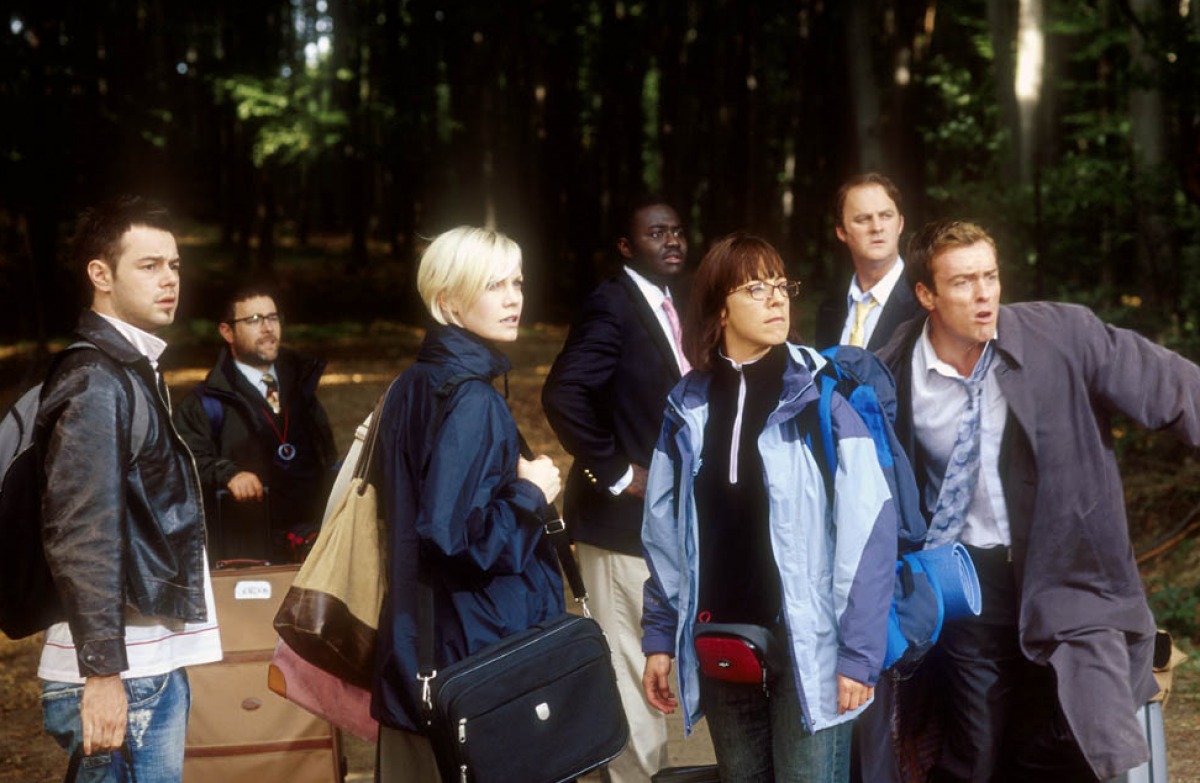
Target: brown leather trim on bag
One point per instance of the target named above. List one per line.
(245, 656)
(310, 620)
(259, 747)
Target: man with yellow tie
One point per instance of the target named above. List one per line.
(260, 437)
(869, 222)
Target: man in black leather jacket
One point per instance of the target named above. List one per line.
(122, 518)
(265, 468)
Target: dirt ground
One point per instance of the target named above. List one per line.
(358, 371)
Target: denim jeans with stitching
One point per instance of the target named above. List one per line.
(760, 737)
(154, 735)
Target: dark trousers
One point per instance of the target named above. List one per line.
(1002, 721)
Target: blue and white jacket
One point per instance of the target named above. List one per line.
(836, 557)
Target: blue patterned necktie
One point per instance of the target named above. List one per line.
(962, 469)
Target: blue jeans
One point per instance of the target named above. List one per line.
(154, 736)
(759, 738)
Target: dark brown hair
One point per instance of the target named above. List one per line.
(100, 229)
(862, 180)
(249, 290)
(732, 261)
(935, 238)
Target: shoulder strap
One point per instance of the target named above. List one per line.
(214, 410)
(366, 458)
(139, 407)
(825, 411)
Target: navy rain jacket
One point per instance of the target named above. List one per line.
(449, 487)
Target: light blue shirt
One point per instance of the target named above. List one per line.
(939, 399)
(255, 376)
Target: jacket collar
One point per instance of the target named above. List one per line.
(462, 351)
(1010, 338)
(292, 368)
(650, 322)
(798, 387)
(93, 328)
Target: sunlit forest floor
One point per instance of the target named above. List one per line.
(1160, 481)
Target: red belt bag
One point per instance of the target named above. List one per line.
(739, 652)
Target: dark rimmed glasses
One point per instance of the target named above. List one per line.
(760, 290)
(256, 319)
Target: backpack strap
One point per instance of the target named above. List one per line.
(825, 417)
(214, 410)
(140, 414)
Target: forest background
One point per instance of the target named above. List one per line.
(1071, 128)
(319, 142)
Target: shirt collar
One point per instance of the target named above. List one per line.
(654, 294)
(881, 290)
(146, 344)
(253, 374)
(929, 358)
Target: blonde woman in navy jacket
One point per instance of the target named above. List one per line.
(738, 528)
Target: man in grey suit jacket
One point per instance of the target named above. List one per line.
(869, 222)
(1006, 413)
(605, 398)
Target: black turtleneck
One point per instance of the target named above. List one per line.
(739, 581)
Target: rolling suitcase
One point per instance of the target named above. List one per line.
(238, 730)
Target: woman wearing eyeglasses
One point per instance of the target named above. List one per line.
(739, 530)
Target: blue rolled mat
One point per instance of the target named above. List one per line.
(953, 575)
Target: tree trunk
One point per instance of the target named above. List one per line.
(863, 86)
(1156, 254)
(1002, 24)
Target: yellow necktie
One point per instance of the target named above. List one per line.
(861, 309)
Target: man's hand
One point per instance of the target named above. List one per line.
(656, 683)
(637, 487)
(103, 711)
(245, 486)
(852, 694)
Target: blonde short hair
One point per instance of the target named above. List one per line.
(459, 264)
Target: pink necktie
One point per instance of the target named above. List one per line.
(677, 332)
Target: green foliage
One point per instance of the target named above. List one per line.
(1175, 607)
(290, 119)
(651, 153)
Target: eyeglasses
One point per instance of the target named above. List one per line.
(256, 319)
(760, 290)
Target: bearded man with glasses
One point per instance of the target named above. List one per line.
(260, 437)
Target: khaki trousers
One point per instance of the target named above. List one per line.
(614, 584)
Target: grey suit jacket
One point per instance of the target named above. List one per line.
(1064, 373)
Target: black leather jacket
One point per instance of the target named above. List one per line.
(119, 529)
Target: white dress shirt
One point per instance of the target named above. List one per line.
(938, 401)
(654, 297)
(880, 292)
